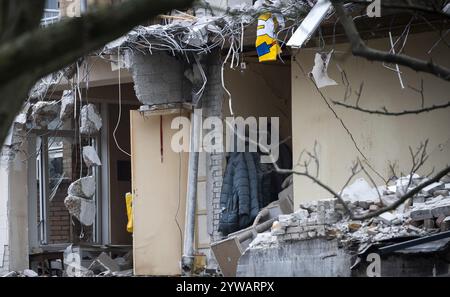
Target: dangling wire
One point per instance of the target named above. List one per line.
(120, 107)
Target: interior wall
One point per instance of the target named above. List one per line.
(262, 89)
(382, 139)
(159, 189)
(119, 170)
(4, 195)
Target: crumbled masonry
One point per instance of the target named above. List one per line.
(81, 208)
(83, 187)
(91, 122)
(90, 156)
(43, 112)
(67, 105)
(79, 201)
(327, 219)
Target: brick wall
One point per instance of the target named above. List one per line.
(58, 217)
(212, 106)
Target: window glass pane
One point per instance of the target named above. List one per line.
(51, 4)
(62, 165)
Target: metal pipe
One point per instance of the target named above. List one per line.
(188, 247)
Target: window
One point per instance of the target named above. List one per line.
(59, 162)
(51, 12)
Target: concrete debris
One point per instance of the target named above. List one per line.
(429, 212)
(90, 156)
(30, 273)
(67, 105)
(91, 122)
(43, 112)
(107, 262)
(387, 218)
(432, 208)
(83, 187)
(82, 209)
(430, 189)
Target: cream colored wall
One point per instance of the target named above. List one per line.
(381, 138)
(18, 212)
(261, 90)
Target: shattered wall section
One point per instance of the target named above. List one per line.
(212, 106)
(158, 78)
(4, 253)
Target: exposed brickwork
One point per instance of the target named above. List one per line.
(212, 106)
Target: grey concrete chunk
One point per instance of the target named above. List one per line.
(90, 156)
(43, 112)
(83, 187)
(421, 214)
(91, 122)
(67, 105)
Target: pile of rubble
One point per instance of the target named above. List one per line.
(427, 212)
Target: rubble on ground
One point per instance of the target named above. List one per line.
(427, 212)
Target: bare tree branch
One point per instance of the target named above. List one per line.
(385, 112)
(38, 52)
(359, 48)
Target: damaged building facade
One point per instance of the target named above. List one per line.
(89, 181)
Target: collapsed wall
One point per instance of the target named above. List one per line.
(158, 78)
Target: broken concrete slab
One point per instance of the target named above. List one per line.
(43, 112)
(83, 187)
(90, 156)
(107, 262)
(433, 187)
(441, 210)
(421, 214)
(444, 193)
(82, 209)
(387, 218)
(67, 105)
(91, 122)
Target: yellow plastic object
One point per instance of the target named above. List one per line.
(129, 203)
(267, 45)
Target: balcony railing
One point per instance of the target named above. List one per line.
(50, 16)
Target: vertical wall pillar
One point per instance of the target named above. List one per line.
(212, 106)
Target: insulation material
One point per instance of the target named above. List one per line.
(267, 45)
(90, 156)
(319, 70)
(67, 105)
(91, 122)
(83, 187)
(82, 209)
(44, 112)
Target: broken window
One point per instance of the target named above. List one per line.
(59, 162)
